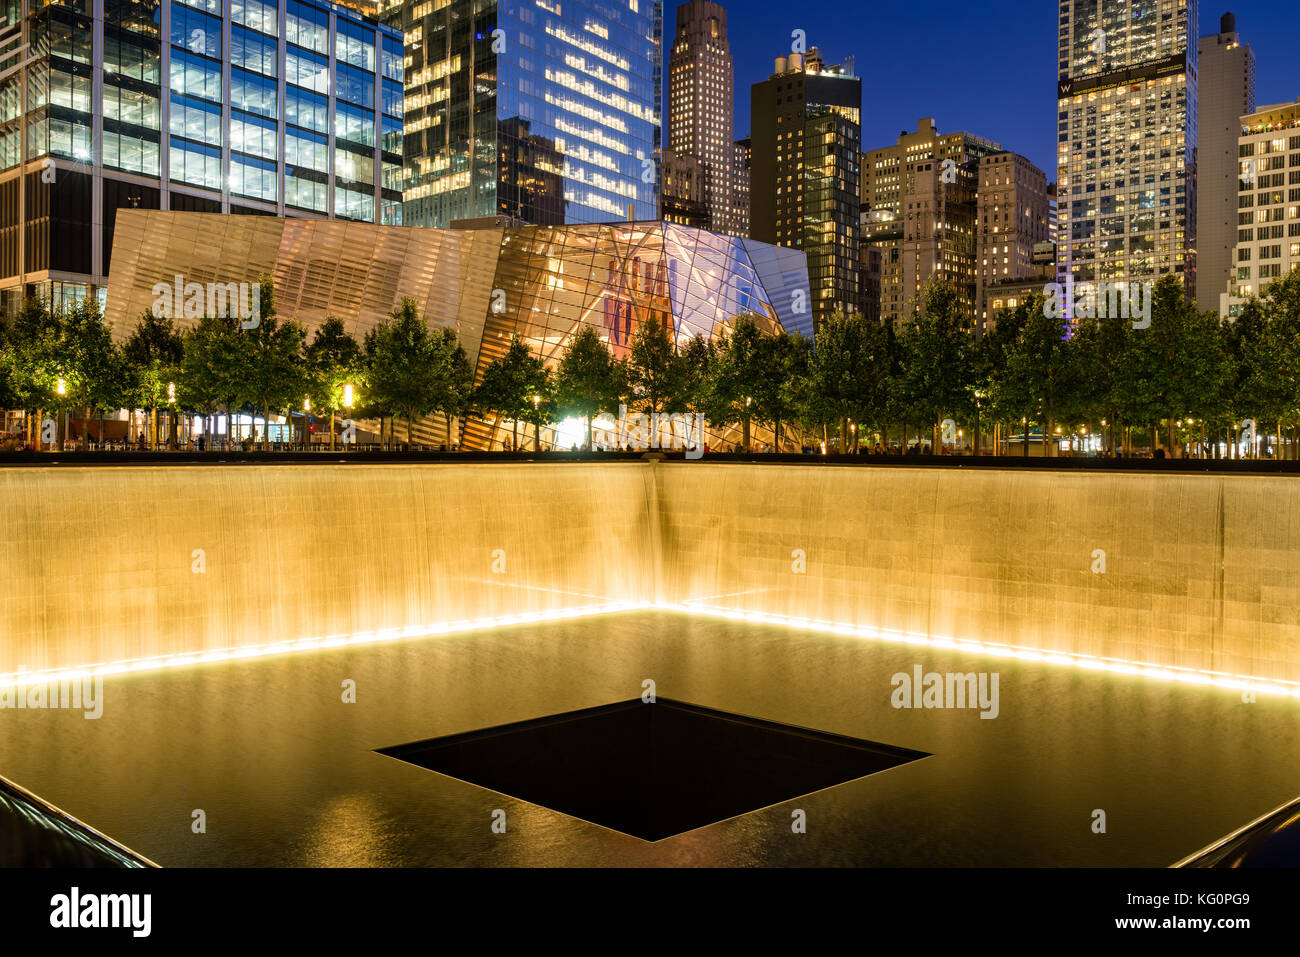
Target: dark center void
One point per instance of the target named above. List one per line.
(652, 770)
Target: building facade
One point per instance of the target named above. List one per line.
(1013, 217)
(1226, 68)
(262, 107)
(805, 136)
(741, 155)
(919, 207)
(700, 118)
(543, 111)
(683, 198)
(1127, 140)
(543, 284)
(1268, 202)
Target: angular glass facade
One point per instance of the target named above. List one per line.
(269, 107)
(544, 111)
(541, 283)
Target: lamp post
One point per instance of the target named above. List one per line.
(537, 425)
(171, 415)
(347, 404)
(61, 387)
(306, 409)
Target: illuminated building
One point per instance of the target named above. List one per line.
(683, 195)
(541, 283)
(263, 107)
(919, 202)
(1013, 216)
(1226, 93)
(701, 109)
(1268, 202)
(741, 157)
(805, 134)
(537, 109)
(1126, 131)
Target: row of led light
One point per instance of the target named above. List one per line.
(1046, 656)
(1219, 679)
(185, 658)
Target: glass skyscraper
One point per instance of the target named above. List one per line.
(1126, 125)
(263, 107)
(540, 110)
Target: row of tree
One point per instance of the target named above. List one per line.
(1187, 377)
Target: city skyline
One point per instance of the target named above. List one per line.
(759, 26)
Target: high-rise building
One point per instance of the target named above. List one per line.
(805, 132)
(1013, 216)
(682, 195)
(701, 106)
(741, 156)
(533, 109)
(264, 107)
(919, 202)
(1126, 125)
(1268, 202)
(1226, 69)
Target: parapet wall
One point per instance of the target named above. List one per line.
(106, 564)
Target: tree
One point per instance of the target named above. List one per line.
(401, 361)
(589, 381)
(849, 372)
(789, 357)
(334, 361)
(276, 375)
(655, 373)
(1038, 378)
(153, 355)
(212, 368)
(737, 373)
(1156, 372)
(939, 362)
(509, 384)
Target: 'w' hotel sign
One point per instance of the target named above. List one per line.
(1165, 66)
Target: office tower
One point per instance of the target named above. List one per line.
(1126, 124)
(268, 107)
(741, 155)
(701, 105)
(869, 281)
(1013, 219)
(537, 110)
(1226, 69)
(1268, 202)
(682, 193)
(805, 133)
(919, 206)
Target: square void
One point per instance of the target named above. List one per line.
(652, 770)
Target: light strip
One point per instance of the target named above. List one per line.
(237, 652)
(1150, 670)
(1143, 669)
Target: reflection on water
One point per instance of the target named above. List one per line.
(286, 774)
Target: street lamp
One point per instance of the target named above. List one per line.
(537, 425)
(306, 410)
(61, 387)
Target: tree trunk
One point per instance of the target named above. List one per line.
(589, 434)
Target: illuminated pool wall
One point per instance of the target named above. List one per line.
(98, 565)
